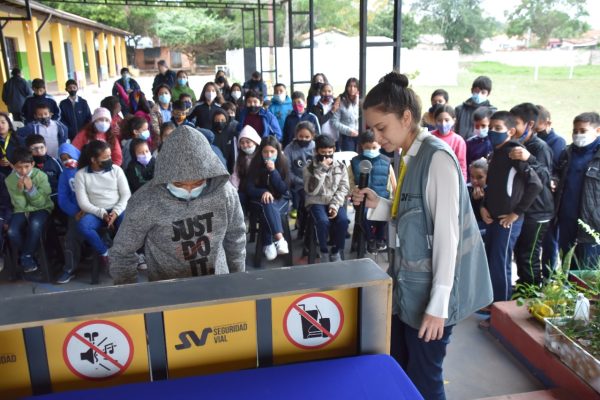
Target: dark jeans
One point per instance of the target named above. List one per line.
(269, 216)
(25, 232)
(422, 361)
(322, 223)
(348, 143)
(550, 250)
(73, 243)
(499, 244)
(89, 226)
(528, 251)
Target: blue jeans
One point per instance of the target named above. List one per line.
(89, 226)
(25, 232)
(550, 250)
(322, 223)
(348, 143)
(499, 245)
(422, 361)
(269, 216)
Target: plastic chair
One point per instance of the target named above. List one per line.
(258, 254)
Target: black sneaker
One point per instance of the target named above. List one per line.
(28, 263)
(381, 245)
(65, 277)
(371, 246)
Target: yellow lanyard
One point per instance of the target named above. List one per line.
(5, 145)
(401, 174)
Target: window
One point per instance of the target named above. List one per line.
(11, 52)
(175, 59)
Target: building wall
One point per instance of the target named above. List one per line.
(163, 54)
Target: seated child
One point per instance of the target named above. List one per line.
(165, 131)
(132, 128)
(444, 129)
(102, 193)
(298, 152)
(141, 169)
(267, 188)
(326, 186)
(54, 132)
(478, 145)
(381, 180)
(298, 115)
(247, 145)
(29, 192)
(51, 167)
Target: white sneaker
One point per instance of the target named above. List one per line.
(270, 252)
(141, 265)
(282, 246)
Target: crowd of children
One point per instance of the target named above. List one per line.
(69, 166)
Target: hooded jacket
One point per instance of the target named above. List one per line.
(38, 198)
(249, 133)
(298, 157)
(14, 93)
(182, 238)
(270, 124)
(281, 109)
(464, 117)
(32, 101)
(226, 139)
(67, 200)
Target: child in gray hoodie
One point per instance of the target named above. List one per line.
(188, 217)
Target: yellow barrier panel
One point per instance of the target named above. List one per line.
(14, 370)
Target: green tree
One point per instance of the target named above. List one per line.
(460, 22)
(547, 19)
(382, 24)
(194, 32)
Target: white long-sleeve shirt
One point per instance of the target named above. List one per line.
(442, 200)
(100, 191)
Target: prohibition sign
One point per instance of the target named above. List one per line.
(313, 321)
(98, 350)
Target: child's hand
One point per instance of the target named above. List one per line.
(79, 215)
(336, 105)
(507, 220)
(519, 153)
(327, 162)
(270, 165)
(20, 184)
(553, 185)
(485, 216)
(4, 162)
(112, 217)
(353, 133)
(332, 213)
(266, 198)
(27, 183)
(478, 193)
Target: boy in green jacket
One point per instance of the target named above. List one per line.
(29, 192)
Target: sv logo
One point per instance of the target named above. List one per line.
(186, 336)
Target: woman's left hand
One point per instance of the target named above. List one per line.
(432, 328)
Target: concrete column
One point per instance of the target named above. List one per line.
(124, 51)
(31, 44)
(3, 78)
(102, 57)
(78, 56)
(90, 49)
(58, 51)
(110, 38)
(118, 54)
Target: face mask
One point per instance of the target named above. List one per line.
(44, 121)
(210, 96)
(444, 128)
(219, 126)
(326, 99)
(182, 81)
(303, 143)
(106, 164)
(274, 158)
(187, 104)
(298, 107)
(145, 135)
(180, 119)
(478, 98)
(482, 132)
(39, 159)
(144, 159)
(102, 126)
(497, 138)
(164, 98)
(70, 163)
(126, 77)
(183, 194)
(279, 97)
(236, 94)
(72, 93)
(583, 139)
(371, 153)
(249, 150)
(322, 158)
(253, 109)
(523, 138)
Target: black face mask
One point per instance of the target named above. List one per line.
(303, 143)
(106, 164)
(321, 158)
(39, 159)
(253, 109)
(72, 93)
(44, 121)
(220, 80)
(219, 126)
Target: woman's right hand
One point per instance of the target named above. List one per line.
(353, 133)
(266, 198)
(370, 197)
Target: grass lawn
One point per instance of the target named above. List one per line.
(563, 97)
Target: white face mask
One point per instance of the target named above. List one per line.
(183, 194)
(210, 96)
(249, 150)
(280, 97)
(583, 139)
(236, 94)
(102, 126)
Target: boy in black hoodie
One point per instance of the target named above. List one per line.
(225, 130)
(480, 90)
(512, 186)
(37, 146)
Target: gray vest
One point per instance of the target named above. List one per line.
(412, 269)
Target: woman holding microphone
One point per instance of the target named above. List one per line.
(440, 270)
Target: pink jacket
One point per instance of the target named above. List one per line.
(458, 145)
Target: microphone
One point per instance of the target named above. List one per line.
(364, 167)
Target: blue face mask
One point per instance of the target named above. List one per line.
(483, 132)
(371, 153)
(183, 194)
(182, 81)
(274, 158)
(145, 135)
(164, 98)
(444, 128)
(478, 98)
(497, 138)
(523, 138)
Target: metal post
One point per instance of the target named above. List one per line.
(274, 19)
(291, 45)
(397, 33)
(362, 58)
(243, 31)
(4, 52)
(311, 28)
(260, 41)
(37, 34)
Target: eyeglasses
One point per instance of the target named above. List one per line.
(37, 148)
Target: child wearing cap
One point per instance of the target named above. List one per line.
(100, 129)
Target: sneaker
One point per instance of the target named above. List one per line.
(141, 264)
(270, 252)
(371, 246)
(282, 246)
(28, 264)
(381, 245)
(294, 213)
(333, 257)
(65, 277)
